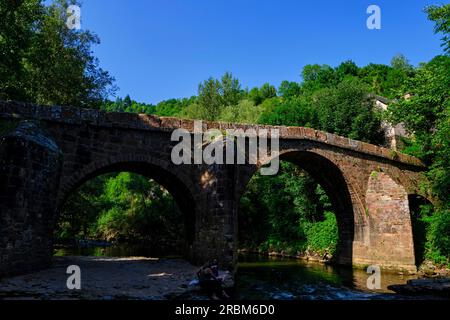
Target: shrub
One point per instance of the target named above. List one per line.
(437, 247)
(322, 236)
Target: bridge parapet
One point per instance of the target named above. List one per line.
(71, 115)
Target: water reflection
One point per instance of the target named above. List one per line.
(112, 251)
(261, 277)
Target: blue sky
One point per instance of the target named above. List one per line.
(161, 49)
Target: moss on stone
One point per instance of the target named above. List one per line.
(393, 154)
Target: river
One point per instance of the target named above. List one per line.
(263, 277)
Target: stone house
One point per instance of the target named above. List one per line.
(393, 133)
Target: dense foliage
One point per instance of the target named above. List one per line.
(123, 207)
(426, 114)
(291, 212)
(43, 61)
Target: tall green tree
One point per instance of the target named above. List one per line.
(318, 76)
(210, 100)
(214, 96)
(258, 95)
(347, 68)
(44, 61)
(289, 89)
(348, 111)
(230, 90)
(440, 15)
(16, 38)
(426, 114)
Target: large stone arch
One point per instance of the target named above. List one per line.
(320, 165)
(172, 178)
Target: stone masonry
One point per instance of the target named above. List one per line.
(56, 149)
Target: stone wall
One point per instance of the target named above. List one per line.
(29, 177)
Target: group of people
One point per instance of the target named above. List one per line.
(210, 281)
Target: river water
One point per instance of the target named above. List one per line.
(262, 277)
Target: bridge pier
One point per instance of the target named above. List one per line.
(216, 218)
(385, 236)
(30, 165)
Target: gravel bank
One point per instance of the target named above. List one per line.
(104, 278)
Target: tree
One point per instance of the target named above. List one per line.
(318, 76)
(214, 96)
(245, 112)
(347, 68)
(296, 111)
(258, 95)
(255, 96)
(348, 111)
(127, 102)
(15, 39)
(310, 72)
(173, 107)
(400, 62)
(127, 105)
(289, 89)
(268, 91)
(440, 15)
(45, 62)
(210, 99)
(375, 75)
(81, 210)
(230, 90)
(426, 111)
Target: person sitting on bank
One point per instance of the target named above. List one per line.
(209, 280)
(215, 269)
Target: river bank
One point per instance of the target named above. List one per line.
(435, 286)
(306, 256)
(427, 269)
(104, 278)
(258, 277)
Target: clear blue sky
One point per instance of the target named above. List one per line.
(161, 49)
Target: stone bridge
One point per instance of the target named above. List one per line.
(47, 152)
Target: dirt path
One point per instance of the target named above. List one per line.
(104, 278)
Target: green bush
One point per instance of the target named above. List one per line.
(437, 248)
(322, 236)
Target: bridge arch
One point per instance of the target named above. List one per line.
(171, 178)
(337, 187)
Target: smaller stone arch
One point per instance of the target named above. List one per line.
(72, 180)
